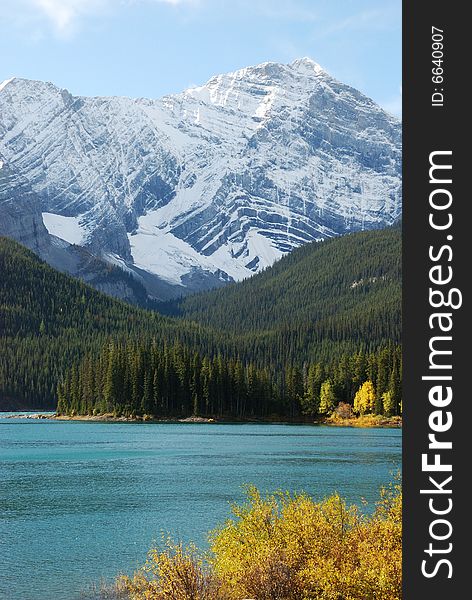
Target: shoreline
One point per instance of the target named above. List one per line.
(366, 421)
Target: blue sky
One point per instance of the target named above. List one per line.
(154, 47)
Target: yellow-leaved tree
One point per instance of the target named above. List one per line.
(364, 400)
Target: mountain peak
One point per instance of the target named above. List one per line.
(307, 65)
(304, 65)
(230, 88)
(6, 82)
(22, 84)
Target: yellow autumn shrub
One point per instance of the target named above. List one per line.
(285, 547)
(175, 572)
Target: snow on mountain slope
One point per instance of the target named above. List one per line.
(65, 228)
(214, 183)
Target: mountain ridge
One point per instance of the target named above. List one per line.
(212, 184)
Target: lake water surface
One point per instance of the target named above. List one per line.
(80, 502)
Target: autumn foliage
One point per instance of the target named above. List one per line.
(364, 400)
(285, 547)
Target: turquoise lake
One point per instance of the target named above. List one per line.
(81, 502)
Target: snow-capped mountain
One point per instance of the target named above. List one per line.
(22, 220)
(209, 185)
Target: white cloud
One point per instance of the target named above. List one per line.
(66, 16)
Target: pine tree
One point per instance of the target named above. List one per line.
(327, 398)
(388, 403)
(395, 384)
(148, 400)
(311, 398)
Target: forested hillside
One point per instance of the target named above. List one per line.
(49, 320)
(326, 315)
(344, 293)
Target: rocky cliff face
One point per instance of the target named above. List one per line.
(20, 213)
(22, 220)
(210, 185)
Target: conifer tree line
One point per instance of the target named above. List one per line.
(165, 381)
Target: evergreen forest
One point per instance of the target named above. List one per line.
(321, 326)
